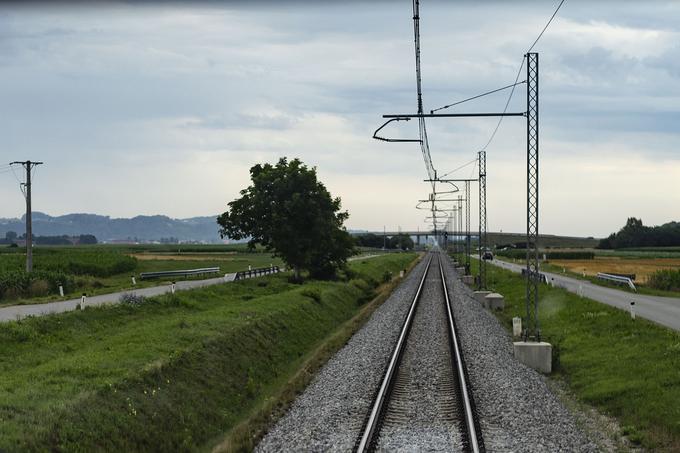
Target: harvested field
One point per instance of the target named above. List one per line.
(642, 268)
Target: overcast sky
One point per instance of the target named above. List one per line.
(162, 108)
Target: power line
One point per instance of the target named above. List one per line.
(505, 109)
(478, 96)
(459, 168)
(512, 92)
(546, 26)
(29, 166)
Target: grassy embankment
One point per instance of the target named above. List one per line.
(627, 369)
(175, 373)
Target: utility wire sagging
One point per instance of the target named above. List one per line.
(422, 129)
(512, 92)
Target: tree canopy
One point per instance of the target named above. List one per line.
(635, 234)
(289, 212)
(400, 241)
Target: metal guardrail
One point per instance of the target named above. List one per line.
(180, 273)
(250, 273)
(617, 279)
(541, 277)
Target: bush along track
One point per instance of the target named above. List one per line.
(173, 373)
(626, 369)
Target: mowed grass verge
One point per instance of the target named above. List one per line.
(174, 373)
(627, 369)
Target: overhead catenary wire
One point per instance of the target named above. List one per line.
(474, 161)
(478, 96)
(512, 92)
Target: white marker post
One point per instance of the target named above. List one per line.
(516, 327)
(83, 299)
(134, 281)
(172, 287)
(632, 310)
(61, 290)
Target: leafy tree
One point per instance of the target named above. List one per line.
(88, 239)
(289, 212)
(371, 240)
(635, 234)
(11, 236)
(401, 241)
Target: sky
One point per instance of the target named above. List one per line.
(162, 108)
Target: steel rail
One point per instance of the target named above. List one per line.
(378, 406)
(465, 396)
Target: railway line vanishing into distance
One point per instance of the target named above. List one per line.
(424, 398)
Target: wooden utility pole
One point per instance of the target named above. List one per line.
(26, 189)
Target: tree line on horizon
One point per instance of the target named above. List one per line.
(635, 234)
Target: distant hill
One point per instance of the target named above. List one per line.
(105, 228)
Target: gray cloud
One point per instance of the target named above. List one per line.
(138, 103)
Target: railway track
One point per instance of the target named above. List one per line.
(424, 401)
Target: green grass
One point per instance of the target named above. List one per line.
(172, 374)
(627, 369)
(227, 258)
(641, 289)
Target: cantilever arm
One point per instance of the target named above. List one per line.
(399, 140)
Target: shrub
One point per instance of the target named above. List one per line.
(38, 288)
(132, 300)
(14, 284)
(665, 279)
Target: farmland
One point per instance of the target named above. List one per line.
(641, 267)
(102, 269)
(177, 371)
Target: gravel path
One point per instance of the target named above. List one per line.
(517, 411)
(329, 414)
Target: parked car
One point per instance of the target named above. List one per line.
(487, 255)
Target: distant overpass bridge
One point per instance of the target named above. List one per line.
(493, 237)
(418, 236)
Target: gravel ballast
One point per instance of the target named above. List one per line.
(423, 411)
(329, 414)
(516, 408)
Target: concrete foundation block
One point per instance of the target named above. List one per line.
(494, 301)
(536, 355)
(480, 295)
(468, 279)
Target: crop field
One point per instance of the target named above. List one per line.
(173, 372)
(641, 267)
(104, 268)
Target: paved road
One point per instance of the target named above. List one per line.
(16, 312)
(661, 310)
